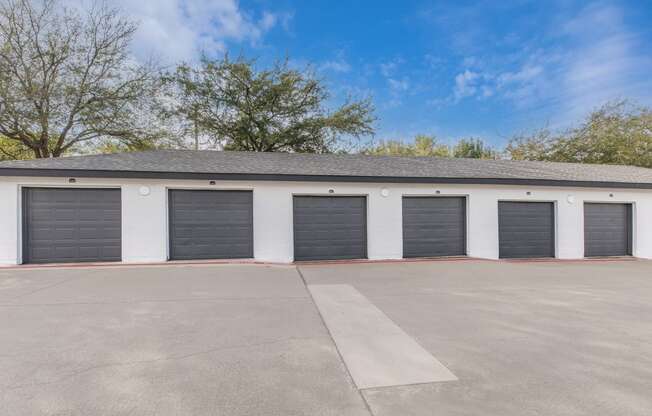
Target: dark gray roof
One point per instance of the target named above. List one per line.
(187, 164)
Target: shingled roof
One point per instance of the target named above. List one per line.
(188, 164)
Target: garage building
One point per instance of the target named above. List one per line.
(278, 207)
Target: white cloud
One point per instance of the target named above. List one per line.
(398, 85)
(267, 22)
(525, 74)
(175, 30)
(434, 62)
(469, 61)
(466, 84)
(339, 65)
(589, 58)
(486, 91)
(388, 69)
(521, 85)
(607, 63)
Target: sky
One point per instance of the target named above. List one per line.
(488, 69)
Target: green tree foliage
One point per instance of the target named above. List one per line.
(616, 133)
(473, 149)
(12, 150)
(537, 145)
(279, 108)
(422, 146)
(429, 146)
(67, 79)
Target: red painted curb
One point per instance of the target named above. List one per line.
(368, 261)
(121, 264)
(307, 263)
(585, 260)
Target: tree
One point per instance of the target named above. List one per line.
(66, 79)
(537, 145)
(422, 146)
(180, 104)
(276, 109)
(616, 133)
(473, 149)
(13, 150)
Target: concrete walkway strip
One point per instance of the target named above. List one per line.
(375, 350)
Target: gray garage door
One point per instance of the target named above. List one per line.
(71, 225)
(330, 227)
(526, 229)
(607, 230)
(210, 224)
(434, 226)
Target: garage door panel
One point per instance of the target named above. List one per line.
(207, 224)
(523, 252)
(332, 233)
(332, 252)
(346, 217)
(71, 225)
(607, 229)
(339, 243)
(444, 232)
(526, 229)
(443, 219)
(88, 233)
(111, 251)
(89, 252)
(527, 236)
(40, 253)
(436, 246)
(434, 226)
(329, 227)
(61, 214)
(70, 252)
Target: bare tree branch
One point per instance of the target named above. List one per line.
(66, 77)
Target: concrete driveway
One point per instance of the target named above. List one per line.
(174, 340)
(562, 338)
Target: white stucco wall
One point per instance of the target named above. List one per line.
(144, 218)
(9, 222)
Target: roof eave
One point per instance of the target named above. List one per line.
(83, 173)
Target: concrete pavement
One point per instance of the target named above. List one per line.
(548, 338)
(179, 340)
(375, 350)
(562, 338)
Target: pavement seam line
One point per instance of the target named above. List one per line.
(156, 360)
(339, 354)
(179, 300)
(59, 283)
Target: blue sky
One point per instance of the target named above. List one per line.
(486, 69)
